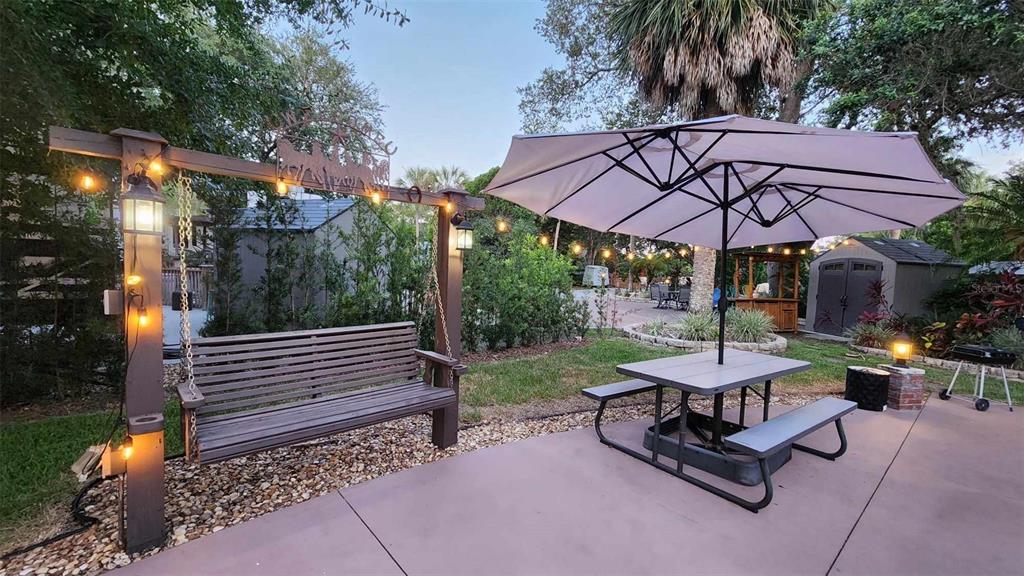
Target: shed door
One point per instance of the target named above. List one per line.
(842, 293)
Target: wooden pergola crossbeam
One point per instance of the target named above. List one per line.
(109, 146)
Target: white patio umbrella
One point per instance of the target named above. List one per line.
(727, 182)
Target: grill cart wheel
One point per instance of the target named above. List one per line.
(981, 404)
(944, 395)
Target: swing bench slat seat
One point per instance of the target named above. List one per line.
(256, 392)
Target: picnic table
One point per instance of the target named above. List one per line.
(719, 442)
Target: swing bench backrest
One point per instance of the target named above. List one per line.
(260, 391)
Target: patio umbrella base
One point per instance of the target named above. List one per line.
(735, 468)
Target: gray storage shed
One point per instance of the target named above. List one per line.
(842, 278)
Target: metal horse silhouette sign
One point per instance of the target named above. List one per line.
(328, 164)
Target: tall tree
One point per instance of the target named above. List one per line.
(949, 71)
(707, 58)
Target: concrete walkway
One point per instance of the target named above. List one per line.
(941, 492)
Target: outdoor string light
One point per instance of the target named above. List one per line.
(544, 241)
(282, 187)
(577, 249)
(786, 251)
(682, 252)
(630, 256)
(501, 226)
(803, 251)
(87, 182)
(606, 253)
(376, 197)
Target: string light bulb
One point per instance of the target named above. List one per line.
(449, 206)
(127, 448)
(577, 249)
(696, 249)
(155, 166)
(87, 182)
(544, 241)
(682, 252)
(803, 251)
(606, 253)
(668, 254)
(650, 256)
(771, 249)
(630, 256)
(502, 226)
(282, 187)
(787, 251)
(846, 242)
(133, 280)
(143, 317)
(376, 197)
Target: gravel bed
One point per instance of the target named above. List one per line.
(207, 499)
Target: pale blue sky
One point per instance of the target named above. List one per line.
(449, 79)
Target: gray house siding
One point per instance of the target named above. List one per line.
(252, 251)
(915, 283)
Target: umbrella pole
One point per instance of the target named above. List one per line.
(723, 300)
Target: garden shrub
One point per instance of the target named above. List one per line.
(870, 335)
(518, 293)
(745, 325)
(702, 326)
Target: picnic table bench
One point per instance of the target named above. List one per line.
(768, 442)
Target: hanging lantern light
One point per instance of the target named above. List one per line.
(463, 234)
(142, 206)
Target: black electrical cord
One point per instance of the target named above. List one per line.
(84, 522)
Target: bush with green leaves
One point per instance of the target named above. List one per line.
(701, 326)
(518, 293)
(870, 335)
(746, 325)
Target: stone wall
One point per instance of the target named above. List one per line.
(775, 345)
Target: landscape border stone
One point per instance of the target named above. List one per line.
(774, 346)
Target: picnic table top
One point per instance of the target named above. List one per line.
(700, 373)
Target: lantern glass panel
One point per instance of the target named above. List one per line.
(464, 238)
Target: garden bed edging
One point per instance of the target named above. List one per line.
(938, 362)
(774, 346)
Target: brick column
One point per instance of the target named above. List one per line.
(906, 387)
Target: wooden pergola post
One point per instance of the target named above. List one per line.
(445, 427)
(144, 390)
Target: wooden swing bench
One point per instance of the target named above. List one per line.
(261, 391)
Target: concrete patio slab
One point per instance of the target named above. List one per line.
(566, 504)
(953, 501)
(936, 492)
(320, 536)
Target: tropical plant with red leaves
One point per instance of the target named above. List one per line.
(974, 327)
(1004, 296)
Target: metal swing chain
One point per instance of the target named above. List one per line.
(184, 239)
(440, 304)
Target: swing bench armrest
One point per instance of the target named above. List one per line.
(442, 361)
(436, 358)
(190, 399)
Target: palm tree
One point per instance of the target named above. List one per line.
(450, 177)
(1001, 207)
(704, 58)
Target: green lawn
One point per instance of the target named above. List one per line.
(35, 456)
